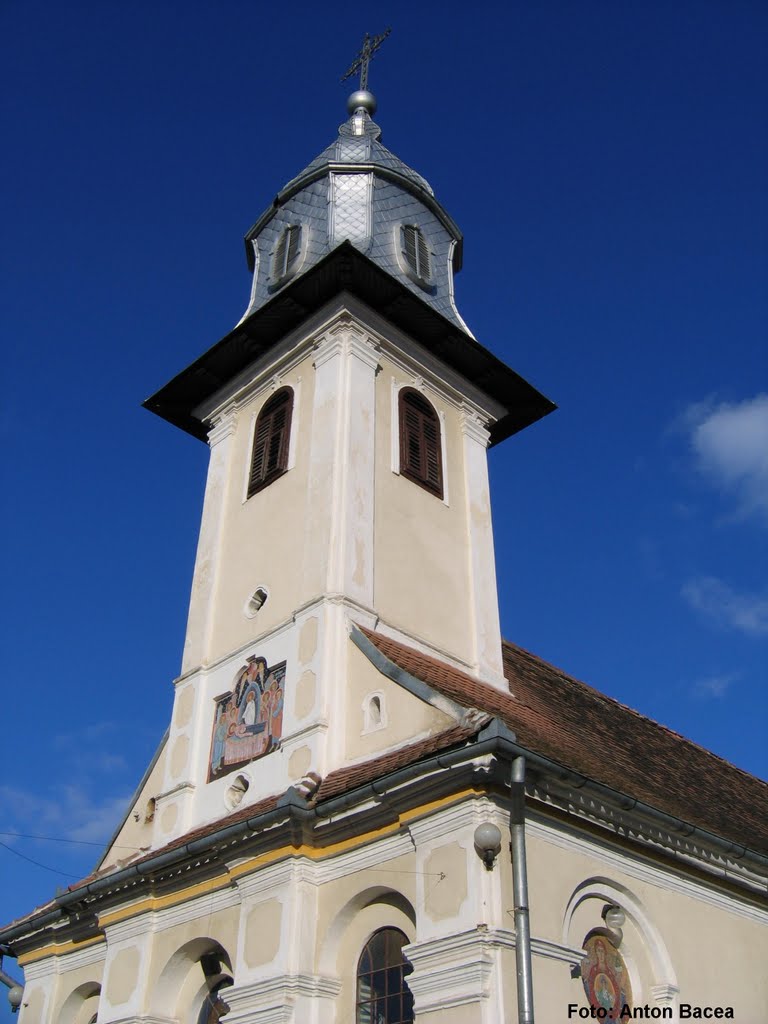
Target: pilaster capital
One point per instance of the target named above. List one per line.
(364, 348)
(345, 334)
(664, 995)
(474, 426)
(224, 426)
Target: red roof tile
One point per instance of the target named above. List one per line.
(565, 720)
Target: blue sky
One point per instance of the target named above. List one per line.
(607, 164)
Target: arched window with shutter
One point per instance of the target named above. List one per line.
(383, 996)
(269, 458)
(421, 457)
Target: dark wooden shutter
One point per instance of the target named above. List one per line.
(269, 458)
(420, 452)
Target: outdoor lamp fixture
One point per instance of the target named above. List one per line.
(487, 843)
(15, 995)
(614, 918)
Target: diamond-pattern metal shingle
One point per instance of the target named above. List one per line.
(367, 206)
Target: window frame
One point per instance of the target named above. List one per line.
(418, 265)
(365, 1008)
(430, 449)
(283, 398)
(284, 266)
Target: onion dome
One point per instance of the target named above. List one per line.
(357, 191)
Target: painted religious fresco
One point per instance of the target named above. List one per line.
(604, 975)
(248, 720)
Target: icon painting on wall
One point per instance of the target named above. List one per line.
(248, 720)
(605, 977)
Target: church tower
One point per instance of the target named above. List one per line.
(348, 416)
(367, 807)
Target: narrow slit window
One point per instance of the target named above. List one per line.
(421, 458)
(269, 458)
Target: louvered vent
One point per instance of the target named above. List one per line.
(420, 454)
(269, 458)
(286, 252)
(416, 253)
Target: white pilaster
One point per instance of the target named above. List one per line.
(202, 603)
(483, 604)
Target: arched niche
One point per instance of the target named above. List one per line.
(81, 1004)
(192, 971)
(361, 915)
(662, 988)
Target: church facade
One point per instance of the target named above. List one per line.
(369, 807)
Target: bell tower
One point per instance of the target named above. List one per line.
(348, 416)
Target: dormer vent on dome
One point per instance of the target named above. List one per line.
(357, 191)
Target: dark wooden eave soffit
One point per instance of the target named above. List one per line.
(346, 269)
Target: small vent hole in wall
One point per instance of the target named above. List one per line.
(236, 792)
(149, 813)
(256, 602)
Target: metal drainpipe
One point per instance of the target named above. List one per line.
(520, 895)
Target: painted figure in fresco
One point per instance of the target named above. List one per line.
(276, 713)
(249, 711)
(604, 975)
(219, 736)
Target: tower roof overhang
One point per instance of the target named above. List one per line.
(347, 269)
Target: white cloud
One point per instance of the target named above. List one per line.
(713, 687)
(730, 441)
(63, 812)
(747, 613)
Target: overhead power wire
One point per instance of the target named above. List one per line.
(74, 842)
(37, 863)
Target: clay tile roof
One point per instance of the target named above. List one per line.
(571, 723)
(345, 779)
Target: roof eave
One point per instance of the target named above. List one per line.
(347, 269)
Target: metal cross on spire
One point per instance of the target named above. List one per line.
(363, 59)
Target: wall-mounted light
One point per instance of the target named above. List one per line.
(614, 918)
(15, 995)
(487, 843)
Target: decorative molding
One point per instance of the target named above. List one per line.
(225, 426)
(364, 348)
(328, 346)
(454, 820)
(457, 969)
(473, 426)
(555, 951)
(272, 1001)
(621, 825)
(193, 910)
(269, 879)
(664, 995)
(364, 858)
(145, 1018)
(95, 954)
(451, 971)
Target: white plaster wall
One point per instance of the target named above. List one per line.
(421, 542)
